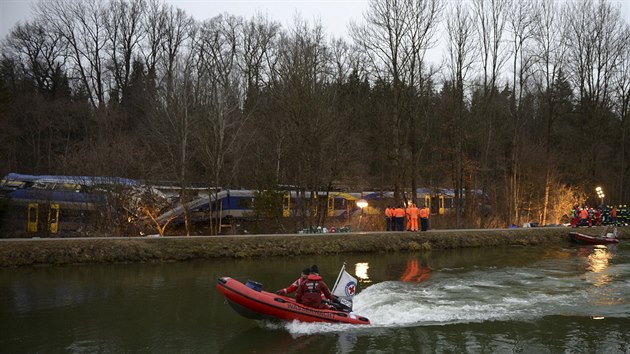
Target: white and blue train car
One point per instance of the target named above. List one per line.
(240, 204)
(49, 204)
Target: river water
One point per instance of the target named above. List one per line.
(571, 299)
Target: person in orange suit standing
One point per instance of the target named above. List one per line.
(389, 218)
(412, 216)
(399, 218)
(424, 218)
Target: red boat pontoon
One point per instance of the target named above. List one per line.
(252, 302)
(591, 239)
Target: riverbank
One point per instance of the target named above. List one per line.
(31, 252)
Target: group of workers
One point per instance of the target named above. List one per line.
(311, 290)
(395, 218)
(603, 215)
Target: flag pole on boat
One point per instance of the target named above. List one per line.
(345, 288)
(343, 267)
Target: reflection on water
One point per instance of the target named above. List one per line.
(361, 271)
(415, 273)
(601, 275)
(597, 259)
(598, 263)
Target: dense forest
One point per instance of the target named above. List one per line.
(526, 111)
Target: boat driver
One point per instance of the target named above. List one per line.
(310, 292)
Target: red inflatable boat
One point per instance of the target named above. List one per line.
(252, 302)
(590, 239)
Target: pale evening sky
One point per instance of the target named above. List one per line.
(335, 15)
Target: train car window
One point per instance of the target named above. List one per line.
(245, 203)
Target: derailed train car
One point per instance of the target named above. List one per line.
(230, 207)
(82, 206)
(51, 205)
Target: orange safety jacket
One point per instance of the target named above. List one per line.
(412, 212)
(584, 214)
(399, 213)
(424, 213)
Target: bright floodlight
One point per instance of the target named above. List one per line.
(362, 203)
(600, 194)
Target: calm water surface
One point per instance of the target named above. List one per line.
(573, 299)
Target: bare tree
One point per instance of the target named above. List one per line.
(258, 62)
(424, 16)
(40, 101)
(41, 51)
(341, 58)
(491, 16)
(551, 40)
(82, 25)
(125, 32)
(221, 93)
(461, 47)
(177, 29)
(522, 16)
(395, 38)
(622, 108)
(153, 27)
(258, 48)
(171, 124)
(304, 123)
(596, 42)
(382, 39)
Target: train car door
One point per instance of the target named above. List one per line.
(331, 205)
(286, 205)
(314, 201)
(53, 218)
(33, 217)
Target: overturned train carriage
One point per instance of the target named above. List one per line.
(232, 206)
(62, 205)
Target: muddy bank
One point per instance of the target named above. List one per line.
(28, 252)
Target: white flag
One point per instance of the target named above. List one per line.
(346, 286)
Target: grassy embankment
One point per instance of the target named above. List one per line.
(30, 252)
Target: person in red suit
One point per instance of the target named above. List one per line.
(310, 292)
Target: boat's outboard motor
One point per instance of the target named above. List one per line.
(339, 304)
